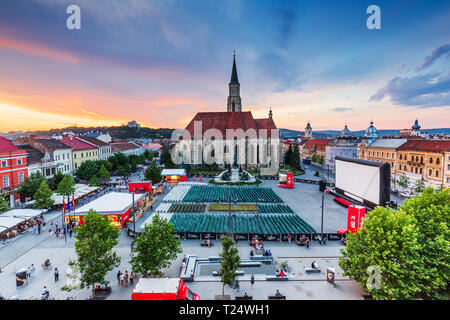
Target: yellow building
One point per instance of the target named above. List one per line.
(81, 151)
(425, 160)
(382, 150)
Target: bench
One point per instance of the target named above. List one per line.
(214, 258)
(244, 298)
(238, 272)
(186, 273)
(261, 258)
(106, 289)
(276, 297)
(277, 278)
(312, 270)
(250, 264)
(205, 244)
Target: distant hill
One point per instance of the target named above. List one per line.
(288, 133)
(122, 132)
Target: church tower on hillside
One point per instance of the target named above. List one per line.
(308, 131)
(234, 97)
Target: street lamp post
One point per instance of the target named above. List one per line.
(321, 220)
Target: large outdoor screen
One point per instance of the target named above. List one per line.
(362, 180)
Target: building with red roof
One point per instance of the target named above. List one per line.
(81, 150)
(315, 147)
(231, 137)
(13, 170)
(427, 160)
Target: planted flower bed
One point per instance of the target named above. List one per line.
(233, 207)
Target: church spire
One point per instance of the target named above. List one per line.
(234, 76)
(234, 98)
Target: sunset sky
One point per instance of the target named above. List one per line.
(161, 62)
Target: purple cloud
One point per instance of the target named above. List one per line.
(424, 91)
(436, 54)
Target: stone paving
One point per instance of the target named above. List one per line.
(32, 248)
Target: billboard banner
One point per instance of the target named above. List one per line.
(355, 216)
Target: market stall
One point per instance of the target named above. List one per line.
(116, 205)
(174, 175)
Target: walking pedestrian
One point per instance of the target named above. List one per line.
(126, 278)
(118, 277)
(131, 277)
(237, 285)
(70, 231)
(50, 231)
(252, 281)
(289, 237)
(39, 228)
(56, 272)
(307, 242)
(122, 280)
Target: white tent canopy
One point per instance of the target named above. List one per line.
(8, 222)
(22, 213)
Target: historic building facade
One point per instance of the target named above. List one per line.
(344, 145)
(425, 160)
(226, 138)
(13, 170)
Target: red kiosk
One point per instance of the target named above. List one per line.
(286, 180)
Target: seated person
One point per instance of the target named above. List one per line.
(278, 273)
(251, 253)
(245, 294)
(278, 293)
(314, 265)
(282, 274)
(270, 253)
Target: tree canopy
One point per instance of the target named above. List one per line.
(409, 248)
(4, 205)
(30, 185)
(66, 186)
(95, 240)
(229, 263)
(155, 248)
(153, 173)
(43, 196)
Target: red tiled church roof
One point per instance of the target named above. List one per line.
(426, 145)
(230, 120)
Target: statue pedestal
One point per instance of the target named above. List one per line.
(235, 175)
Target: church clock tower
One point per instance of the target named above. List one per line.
(234, 98)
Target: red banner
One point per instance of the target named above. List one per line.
(355, 216)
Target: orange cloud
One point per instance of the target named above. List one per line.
(38, 50)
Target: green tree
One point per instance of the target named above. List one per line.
(121, 171)
(103, 172)
(230, 262)
(288, 155)
(295, 158)
(431, 210)
(409, 247)
(155, 247)
(419, 186)
(30, 185)
(53, 182)
(148, 155)
(94, 182)
(66, 186)
(87, 170)
(43, 196)
(153, 173)
(95, 240)
(404, 181)
(4, 206)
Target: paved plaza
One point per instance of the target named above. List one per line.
(305, 200)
